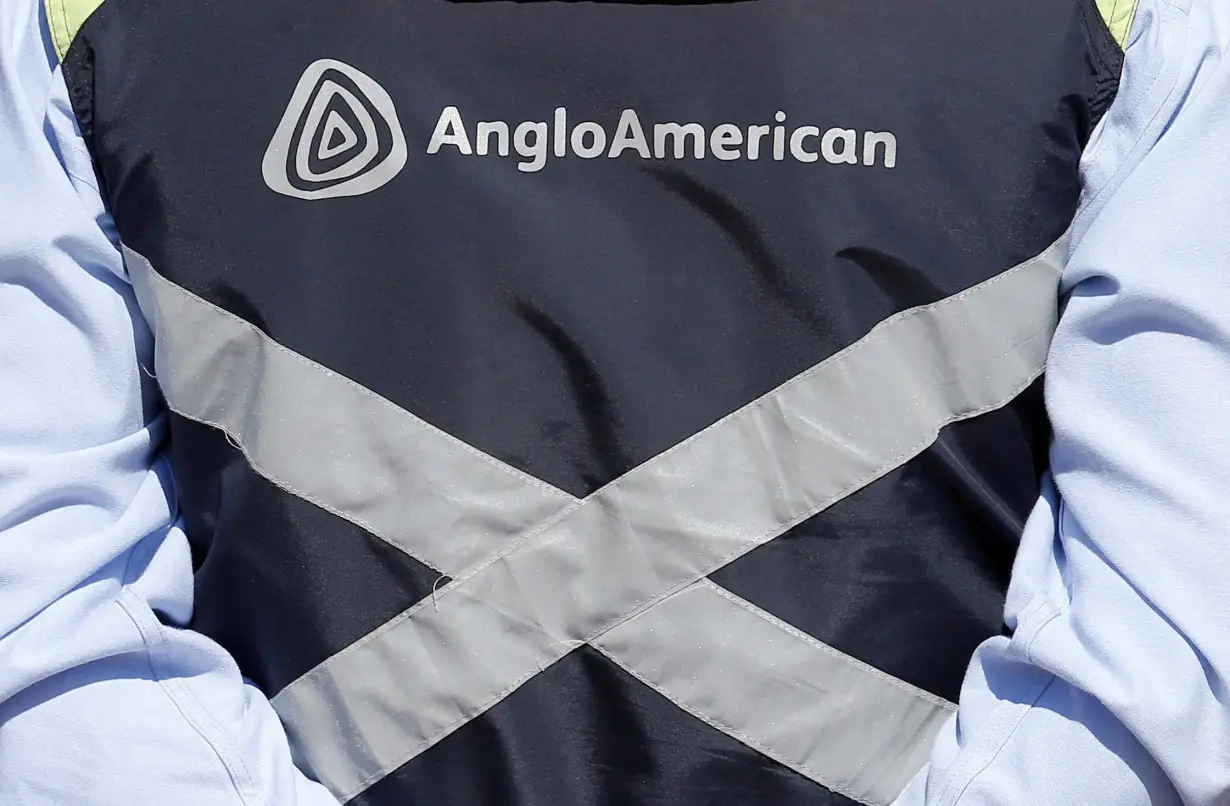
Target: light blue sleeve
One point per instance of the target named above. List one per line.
(1112, 690)
(103, 701)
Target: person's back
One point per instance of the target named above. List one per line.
(596, 403)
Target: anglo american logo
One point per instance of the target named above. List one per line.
(535, 142)
(340, 136)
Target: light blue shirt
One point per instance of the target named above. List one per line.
(1110, 692)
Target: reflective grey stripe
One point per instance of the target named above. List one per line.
(834, 719)
(730, 488)
(330, 441)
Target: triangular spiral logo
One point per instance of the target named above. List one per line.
(338, 137)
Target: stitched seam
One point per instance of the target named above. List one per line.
(77, 147)
(1025, 619)
(1127, 34)
(189, 708)
(1044, 621)
(1013, 716)
(91, 183)
(999, 727)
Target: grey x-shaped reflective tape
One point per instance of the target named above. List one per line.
(593, 569)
